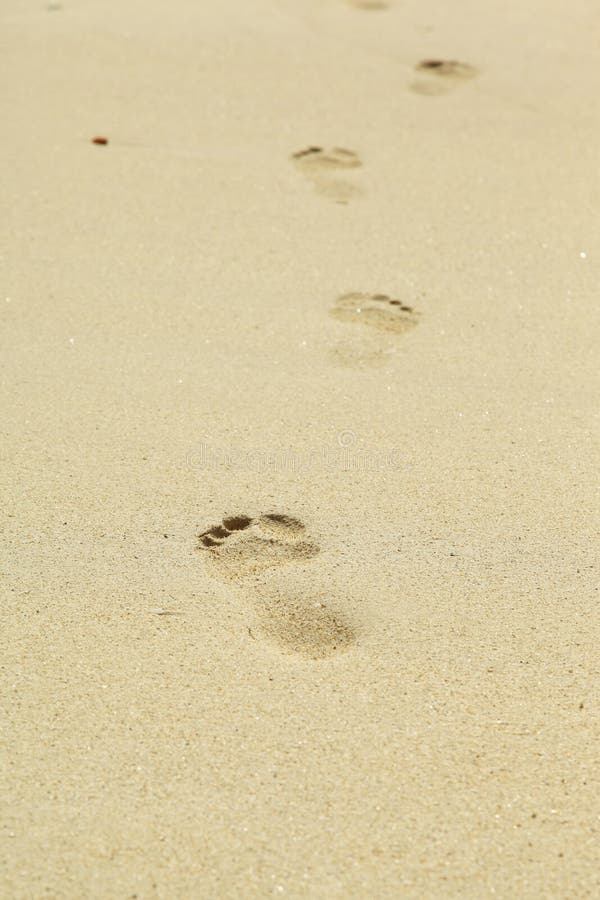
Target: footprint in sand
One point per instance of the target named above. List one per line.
(368, 4)
(377, 310)
(437, 76)
(382, 314)
(240, 548)
(323, 167)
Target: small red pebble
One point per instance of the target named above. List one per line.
(99, 140)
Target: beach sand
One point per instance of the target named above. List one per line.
(300, 449)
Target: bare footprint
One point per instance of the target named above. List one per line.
(322, 166)
(437, 76)
(241, 547)
(382, 314)
(368, 4)
(377, 310)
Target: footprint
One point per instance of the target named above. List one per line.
(322, 166)
(377, 310)
(318, 159)
(368, 4)
(381, 313)
(437, 76)
(241, 548)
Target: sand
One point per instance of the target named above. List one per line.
(300, 449)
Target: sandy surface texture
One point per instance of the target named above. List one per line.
(300, 439)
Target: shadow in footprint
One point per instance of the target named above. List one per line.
(323, 166)
(438, 76)
(242, 547)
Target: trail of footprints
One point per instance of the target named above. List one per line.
(328, 168)
(241, 547)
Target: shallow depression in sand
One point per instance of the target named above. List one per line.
(304, 626)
